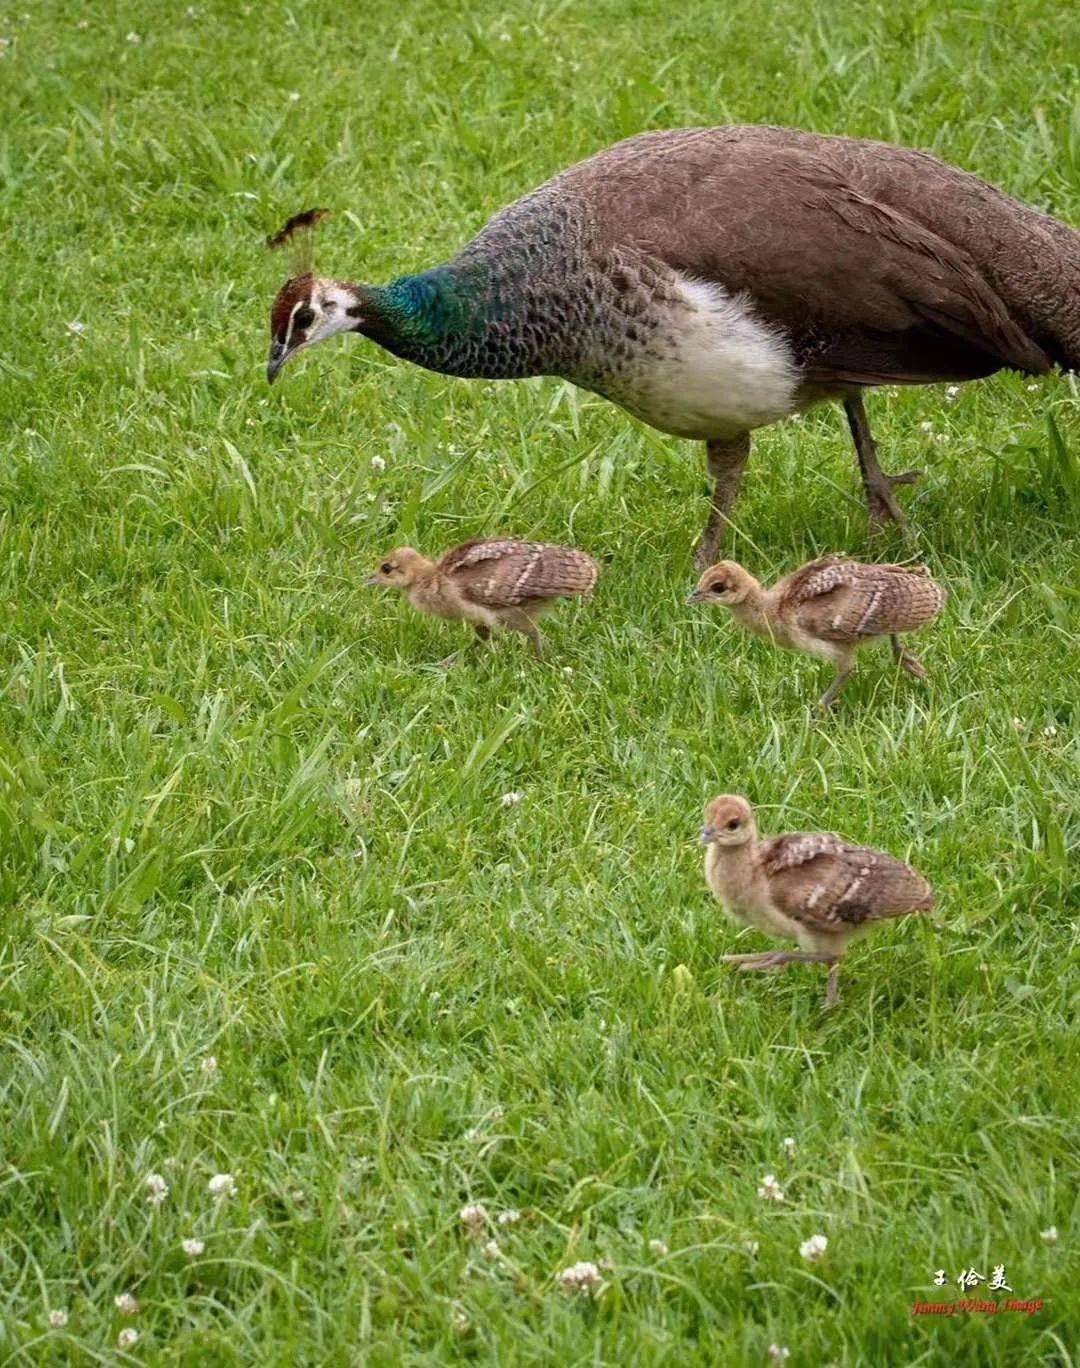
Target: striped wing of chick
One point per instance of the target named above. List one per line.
(500, 573)
(840, 600)
(828, 885)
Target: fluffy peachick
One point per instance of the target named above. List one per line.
(714, 280)
(830, 608)
(492, 583)
(810, 888)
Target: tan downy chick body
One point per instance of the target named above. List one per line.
(490, 583)
(829, 608)
(811, 888)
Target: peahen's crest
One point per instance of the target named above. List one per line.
(298, 234)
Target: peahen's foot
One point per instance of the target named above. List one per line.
(708, 548)
(880, 499)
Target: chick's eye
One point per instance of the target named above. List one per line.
(733, 825)
(719, 588)
(304, 317)
(385, 568)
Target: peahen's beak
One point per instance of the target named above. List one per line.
(279, 354)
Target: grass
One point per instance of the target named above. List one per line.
(242, 817)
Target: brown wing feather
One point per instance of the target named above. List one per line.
(500, 573)
(828, 885)
(880, 262)
(841, 600)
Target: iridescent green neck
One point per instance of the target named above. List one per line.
(445, 319)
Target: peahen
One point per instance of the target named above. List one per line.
(712, 281)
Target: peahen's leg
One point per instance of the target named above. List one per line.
(725, 461)
(880, 498)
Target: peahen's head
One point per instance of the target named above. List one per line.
(308, 309)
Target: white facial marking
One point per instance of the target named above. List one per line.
(330, 304)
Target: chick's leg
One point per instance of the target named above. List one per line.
(843, 670)
(482, 633)
(725, 462)
(520, 621)
(906, 660)
(832, 985)
(777, 959)
(880, 499)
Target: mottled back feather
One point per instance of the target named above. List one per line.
(836, 599)
(827, 884)
(500, 573)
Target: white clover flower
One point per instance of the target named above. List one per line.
(788, 1146)
(511, 799)
(1049, 1235)
(581, 1277)
(1018, 724)
(460, 1323)
(568, 671)
(1050, 732)
(927, 426)
(779, 1352)
(126, 1338)
(951, 391)
(83, 25)
(294, 96)
(58, 1319)
(769, 1190)
(157, 1189)
(474, 1218)
(657, 1248)
(814, 1248)
(77, 327)
(509, 1217)
(133, 38)
(1031, 388)
(752, 1247)
(208, 1064)
(126, 1304)
(504, 37)
(378, 463)
(492, 1250)
(222, 1185)
(193, 1247)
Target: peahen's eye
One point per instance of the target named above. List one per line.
(304, 317)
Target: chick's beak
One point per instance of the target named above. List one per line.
(694, 596)
(372, 582)
(708, 835)
(278, 356)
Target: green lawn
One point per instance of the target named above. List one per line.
(242, 816)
